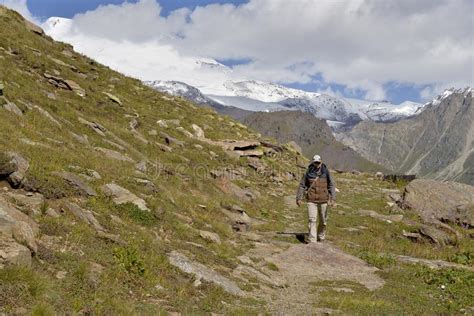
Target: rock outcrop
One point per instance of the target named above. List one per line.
(445, 201)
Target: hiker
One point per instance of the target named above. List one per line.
(318, 189)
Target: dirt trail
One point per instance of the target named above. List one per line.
(299, 266)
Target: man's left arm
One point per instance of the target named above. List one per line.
(331, 187)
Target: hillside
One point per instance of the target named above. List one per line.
(438, 143)
(116, 199)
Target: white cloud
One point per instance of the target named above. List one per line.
(361, 44)
(21, 7)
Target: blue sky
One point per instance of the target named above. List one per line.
(386, 51)
(68, 8)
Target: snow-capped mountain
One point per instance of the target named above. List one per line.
(258, 96)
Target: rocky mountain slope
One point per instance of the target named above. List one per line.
(116, 199)
(438, 143)
(312, 135)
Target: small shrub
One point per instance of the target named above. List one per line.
(466, 258)
(377, 260)
(137, 215)
(128, 259)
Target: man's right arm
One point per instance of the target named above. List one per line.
(301, 189)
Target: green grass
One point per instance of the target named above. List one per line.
(131, 271)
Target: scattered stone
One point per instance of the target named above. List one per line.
(198, 132)
(52, 213)
(433, 264)
(171, 140)
(386, 218)
(185, 132)
(197, 283)
(17, 232)
(14, 169)
(412, 236)
(34, 28)
(245, 260)
(226, 186)
(12, 253)
(164, 148)
(61, 275)
(47, 115)
(85, 216)
(76, 182)
(121, 196)
(437, 236)
(96, 127)
(379, 175)
(12, 107)
(210, 236)
(153, 132)
(202, 272)
(356, 172)
(113, 98)
(30, 203)
(112, 154)
(65, 84)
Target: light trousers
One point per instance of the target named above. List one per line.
(316, 210)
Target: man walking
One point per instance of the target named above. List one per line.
(318, 189)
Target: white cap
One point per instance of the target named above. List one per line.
(316, 158)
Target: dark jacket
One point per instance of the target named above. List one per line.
(310, 175)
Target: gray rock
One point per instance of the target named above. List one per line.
(445, 201)
(433, 264)
(204, 273)
(83, 215)
(12, 253)
(113, 98)
(12, 107)
(18, 227)
(210, 236)
(112, 154)
(14, 168)
(121, 195)
(76, 182)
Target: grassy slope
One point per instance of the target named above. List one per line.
(131, 272)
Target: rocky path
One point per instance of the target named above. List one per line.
(299, 266)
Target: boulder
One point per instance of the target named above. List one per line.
(112, 154)
(446, 201)
(198, 132)
(113, 98)
(12, 107)
(31, 203)
(13, 253)
(202, 272)
(76, 182)
(14, 168)
(210, 236)
(17, 226)
(121, 195)
(34, 28)
(85, 216)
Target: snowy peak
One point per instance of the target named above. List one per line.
(447, 93)
(265, 92)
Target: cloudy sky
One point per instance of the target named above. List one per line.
(376, 49)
